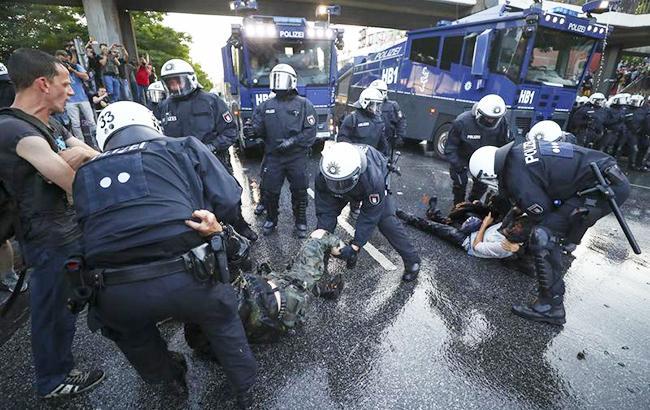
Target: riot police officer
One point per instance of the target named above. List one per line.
(588, 122)
(483, 125)
(7, 92)
(635, 119)
(287, 122)
(580, 101)
(548, 181)
(351, 172)
(155, 95)
(394, 119)
(190, 111)
(615, 125)
(365, 125)
(549, 131)
(136, 207)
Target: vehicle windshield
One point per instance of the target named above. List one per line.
(558, 58)
(310, 59)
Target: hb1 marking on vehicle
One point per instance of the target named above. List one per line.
(389, 75)
(260, 98)
(526, 96)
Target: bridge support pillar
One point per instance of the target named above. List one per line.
(108, 24)
(612, 56)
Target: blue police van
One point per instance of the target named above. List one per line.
(534, 59)
(260, 43)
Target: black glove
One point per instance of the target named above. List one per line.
(286, 145)
(249, 131)
(349, 255)
(398, 142)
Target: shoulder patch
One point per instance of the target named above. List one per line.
(374, 199)
(536, 209)
(311, 120)
(227, 117)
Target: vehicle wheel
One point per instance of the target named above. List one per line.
(440, 140)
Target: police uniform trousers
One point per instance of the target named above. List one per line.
(562, 223)
(459, 186)
(52, 324)
(128, 314)
(293, 167)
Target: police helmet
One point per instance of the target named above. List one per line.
(597, 99)
(381, 86)
(546, 130)
(4, 73)
(490, 110)
(283, 78)
(482, 165)
(156, 92)
(179, 78)
(581, 100)
(120, 115)
(619, 99)
(342, 164)
(370, 100)
(636, 100)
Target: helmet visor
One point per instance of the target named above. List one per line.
(488, 122)
(178, 85)
(341, 186)
(279, 80)
(155, 96)
(374, 107)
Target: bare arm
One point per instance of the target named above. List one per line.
(38, 152)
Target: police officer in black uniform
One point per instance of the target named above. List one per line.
(365, 124)
(7, 92)
(394, 119)
(190, 111)
(146, 255)
(482, 126)
(546, 180)
(350, 172)
(287, 122)
(635, 121)
(616, 131)
(588, 122)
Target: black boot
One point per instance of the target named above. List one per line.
(271, 202)
(244, 400)
(269, 226)
(300, 202)
(260, 209)
(178, 386)
(411, 270)
(246, 231)
(549, 305)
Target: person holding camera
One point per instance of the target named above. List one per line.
(137, 208)
(109, 61)
(78, 105)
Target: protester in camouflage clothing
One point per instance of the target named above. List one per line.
(271, 303)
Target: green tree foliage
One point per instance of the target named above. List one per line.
(162, 43)
(49, 28)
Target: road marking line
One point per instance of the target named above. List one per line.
(372, 251)
(640, 186)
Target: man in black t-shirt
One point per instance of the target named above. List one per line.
(38, 172)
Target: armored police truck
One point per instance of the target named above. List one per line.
(534, 59)
(260, 43)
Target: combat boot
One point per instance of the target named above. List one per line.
(269, 226)
(247, 233)
(411, 271)
(541, 310)
(300, 202)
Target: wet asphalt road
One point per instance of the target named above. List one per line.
(445, 341)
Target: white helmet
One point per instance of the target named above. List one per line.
(3, 72)
(597, 99)
(370, 99)
(283, 78)
(342, 164)
(581, 100)
(156, 92)
(546, 130)
(482, 165)
(381, 86)
(179, 78)
(120, 115)
(619, 99)
(636, 100)
(489, 111)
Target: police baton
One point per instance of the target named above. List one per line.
(604, 188)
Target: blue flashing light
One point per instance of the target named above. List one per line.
(564, 11)
(443, 23)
